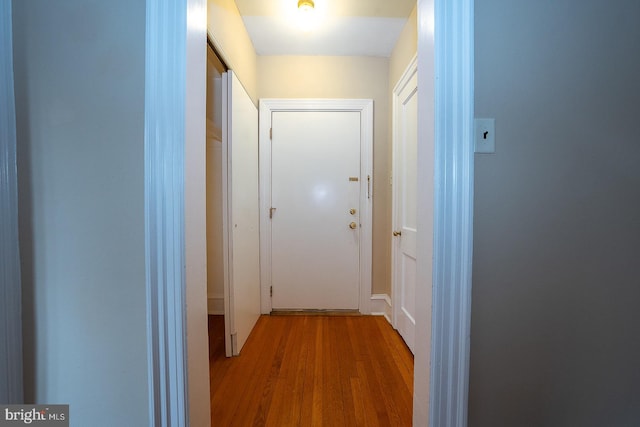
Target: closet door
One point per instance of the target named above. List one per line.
(242, 275)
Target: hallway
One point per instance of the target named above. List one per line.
(312, 370)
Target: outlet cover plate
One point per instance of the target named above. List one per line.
(485, 135)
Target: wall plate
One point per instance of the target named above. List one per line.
(485, 135)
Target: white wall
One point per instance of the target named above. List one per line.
(79, 74)
(230, 37)
(195, 218)
(405, 49)
(556, 279)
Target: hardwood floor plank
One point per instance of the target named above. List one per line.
(286, 403)
(398, 405)
(309, 373)
(312, 371)
(372, 390)
(346, 371)
(402, 356)
(261, 382)
(318, 377)
(358, 404)
(335, 405)
(243, 383)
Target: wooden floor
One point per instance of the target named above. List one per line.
(312, 371)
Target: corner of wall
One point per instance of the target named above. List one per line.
(405, 49)
(381, 306)
(231, 39)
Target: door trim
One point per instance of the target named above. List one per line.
(227, 241)
(410, 71)
(174, 132)
(10, 283)
(365, 107)
(445, 43)
(164, 146)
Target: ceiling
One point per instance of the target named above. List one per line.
(338, 27)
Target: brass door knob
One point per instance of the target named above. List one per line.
(352, 211)
(353, 226)
(397, 233)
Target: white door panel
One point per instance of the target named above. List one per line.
(314, 253)
(408, 242)
(242, 299)
(405, 149)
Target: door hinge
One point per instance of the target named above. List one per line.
(270, 133)
(271, 211)
(270, 291)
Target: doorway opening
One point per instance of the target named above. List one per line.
(214, 201)
(453, 204)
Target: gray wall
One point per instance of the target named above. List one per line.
(555, 335)
(79, 76)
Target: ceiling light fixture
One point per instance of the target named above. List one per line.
(306, 5)
(307, 16)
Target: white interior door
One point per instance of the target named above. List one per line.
(242, 217)
(405, 150)
(315, 218)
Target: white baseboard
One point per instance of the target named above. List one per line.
(381, 306)
(215, 305)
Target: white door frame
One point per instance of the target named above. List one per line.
(441, 361)
(365, 107)
(408, 74)
(175, 123)
(441, 374)
(227, 240)
(10, 285)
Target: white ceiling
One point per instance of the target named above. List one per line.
(340, 27)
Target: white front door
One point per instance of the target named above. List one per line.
(405, 150)
(315, 218)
